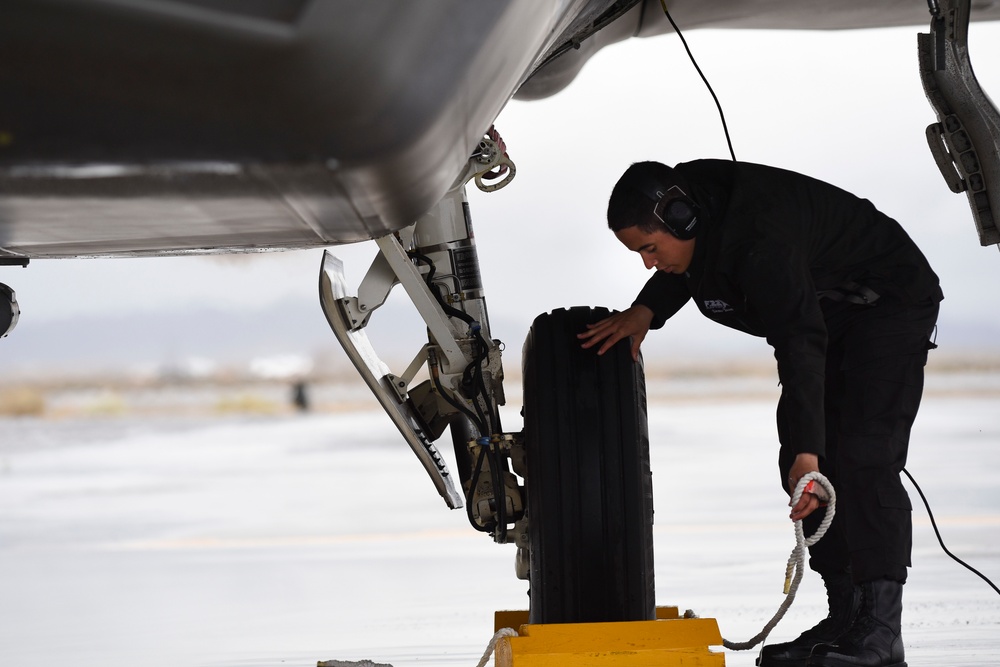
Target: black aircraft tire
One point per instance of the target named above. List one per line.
(589, 485)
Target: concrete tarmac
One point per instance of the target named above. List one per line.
(284, 540)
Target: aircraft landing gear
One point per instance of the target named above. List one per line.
(583, 521)
(9, 311)
(436, 263)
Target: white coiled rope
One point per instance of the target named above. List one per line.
(793, 570)
(796, 561)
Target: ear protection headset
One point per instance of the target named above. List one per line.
(671, 206)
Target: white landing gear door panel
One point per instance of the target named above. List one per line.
(332, 290)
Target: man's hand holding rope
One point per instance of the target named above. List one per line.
(814, 496)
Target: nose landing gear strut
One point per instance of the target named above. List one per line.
(435, 261)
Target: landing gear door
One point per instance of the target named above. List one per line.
(333, 289)
(965, 141)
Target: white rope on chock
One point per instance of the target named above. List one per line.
(793, 575)
(796, 561)
(502, 632)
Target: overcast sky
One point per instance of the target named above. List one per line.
(846, 107)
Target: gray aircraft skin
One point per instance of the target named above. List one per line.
(154, 127)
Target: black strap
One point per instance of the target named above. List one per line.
(851, 292)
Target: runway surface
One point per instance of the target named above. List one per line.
(267, 541)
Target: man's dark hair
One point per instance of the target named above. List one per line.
(629, 206)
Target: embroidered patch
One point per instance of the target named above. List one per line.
(717, 306)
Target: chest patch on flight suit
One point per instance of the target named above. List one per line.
(717, 306)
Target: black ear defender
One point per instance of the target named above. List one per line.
(671, 206)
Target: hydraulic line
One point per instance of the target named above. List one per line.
(475, 367)
(472, 485)
(472, 376)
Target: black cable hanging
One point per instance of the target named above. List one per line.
(941, 541)
(718, 105)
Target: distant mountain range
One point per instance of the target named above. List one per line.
(173, 340)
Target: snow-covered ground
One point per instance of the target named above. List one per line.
(283, 540)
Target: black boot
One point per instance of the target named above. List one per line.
(843, 599)
(874, 640)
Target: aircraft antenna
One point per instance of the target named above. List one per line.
(722, 115)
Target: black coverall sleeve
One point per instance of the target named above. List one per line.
(664, 294)
(780, 294)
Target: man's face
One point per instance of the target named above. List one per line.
(659, 250)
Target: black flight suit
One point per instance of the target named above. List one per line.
(849, 303)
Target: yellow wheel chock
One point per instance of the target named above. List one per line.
(669, 641)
